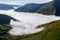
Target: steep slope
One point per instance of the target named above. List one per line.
(51, 32)
(47, 9)
(3, 30)
(28, 23)
(32, 7)
(5, 19)
(6, 7)
(57, 6)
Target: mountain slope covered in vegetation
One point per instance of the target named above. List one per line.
(47, 9)
(51, 32)
(31, 7)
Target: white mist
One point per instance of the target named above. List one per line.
(28, 22)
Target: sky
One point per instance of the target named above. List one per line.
(22, 2)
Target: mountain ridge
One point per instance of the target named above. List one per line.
(31, 7)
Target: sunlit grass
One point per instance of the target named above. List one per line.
(51, 32)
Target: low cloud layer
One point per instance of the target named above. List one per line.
(28, 22)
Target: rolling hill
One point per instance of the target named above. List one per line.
(47, 9)
(51, 32)
(31, 7)
(6, 7)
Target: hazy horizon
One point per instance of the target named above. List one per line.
(22, 2)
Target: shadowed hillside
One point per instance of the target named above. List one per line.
(5, 19)
(6, 7)
(31, 7)
(51, 32)
(57, 7)
(47, 9)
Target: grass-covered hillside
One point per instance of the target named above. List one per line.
(51, 32)
(31, 7)
(47, 9)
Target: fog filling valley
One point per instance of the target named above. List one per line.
(28, 22)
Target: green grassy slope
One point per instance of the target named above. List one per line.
(47, 9)
(51, 32)
(5, 29)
